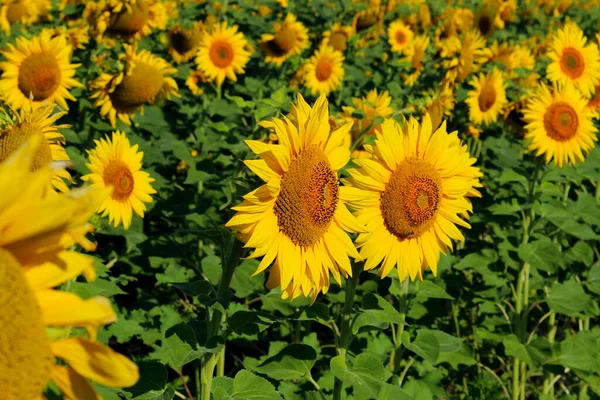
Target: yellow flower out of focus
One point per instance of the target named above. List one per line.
(222, 53)
(411, 196)
(488, 98)
(324, 71)
(145, 80)
(114, 162)
(337, 37)
(399, 36)
(39, 67)
(183, 43)
(37, 320)
(290, 37)
(559, 125)
(297, 221)
(23, 11)
(372, 106)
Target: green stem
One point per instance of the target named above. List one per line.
(346, 337)
(548, 387)
(402, 309)
(206, 375)
(221, 363)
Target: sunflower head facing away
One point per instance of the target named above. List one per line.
(222, 53)
(183, 43)
(559, 125)
(411, 195)
(290, 37)
(415, 54)
(115, 163)
(38, 68)
(337, 37)
(127, 19)
(145, 80)
(297, 221)
(574, 61)
(23, 11)
(37, 230)
(488, 98)
(324, 71)
(399, 36)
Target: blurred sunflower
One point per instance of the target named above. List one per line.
(192, 81)
(127, 18)
(559, 125)
(337, 37)
(222, 53)
(415, 53)
(366, 19)
(39, 67)
(39, 344)
(374, 105)
(298, 220)
(472, 54)
(439, 105)
(183, 43)
(488, 98)
(399, 36)
(484, 19)
(22, 126)
(506, 12)
(23, 11)
(594, 102)
(77, 36)
(411, 196)
(290, 37)
(145, 79)
(324, 71)
(114, 162)
(573, 60)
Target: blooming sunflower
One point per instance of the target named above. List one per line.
(22, 11)
(440, 104)
(415, 53)
(290, 37)
(114, 162)
(374, 105)
(37, 229)
(399, 36)
(594, 102)
(411, 196)
(366, 19)
(25, 124)
(573, 60)
(298, 220)
(324, 71)
(559, 125)
(145, 79)
(222, 53)
(38, 67)
(488, 97)
(127, 18)
(192, 82)
(337, 37)
(183, 43)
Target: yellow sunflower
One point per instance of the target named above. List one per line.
(222, 53)
(337, 37)
(39, 67)
(146, 79)
(440, 104)
(38, 342)
(411, 196)
(399, 36)
(559, 125)
(374, 105)
(594, 102)
(25, 124)
(415, 53)
(183, 43)
(366, 19)
(114, 162)
(488, 98)
(297, 221)
(23, 11)
(127, 18)
(192, 81)
(290, 37)
(324, 71)
(484, 19)
(573, 60)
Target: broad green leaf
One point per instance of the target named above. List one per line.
(294, 361)
(542, 254)
(195, 288)
(593, 280)
(432, 290)
(582, 252)
(178, 347)
(365, 374)
(581, 351)
(570, 299)
(247, 386)
(249, 322)
(376, 312)
(391, 392)
(425, 345)
(533, 354)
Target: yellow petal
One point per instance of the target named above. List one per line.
(72, 385)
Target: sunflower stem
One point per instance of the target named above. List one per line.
(346, 337)
(402, 309)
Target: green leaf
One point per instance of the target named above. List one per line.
(376, 312)
(246, 386)
(565, 221)
(151, 385)
(581, 351)
(431, 290)
(533, 354)
(195, 288)
(453, 350)
(294, 361)
(250, 322)
(541, 254)
(582, 252)
(391, 392)
(593, 280)
(243, 283)
(425, 345)
(365, 374)
(178, 347)
(570, 299)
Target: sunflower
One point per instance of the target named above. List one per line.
(192, 82)
(222, 53)
(298, 220)
(39, 67)
(374, 105)
(411, 196)
(114, 162)
(399, 36)
(127, 19)
(337, 37)
(559, 125)
(415, 53)
(290, 37)
(488, 97)
(23, 11)
(594, 102)
(573, 60)
(366, 19)
(440, 104)
(183, 43)
(145, 79)
(25, 124)
(37, 320)
(324, 71)
(484, 19)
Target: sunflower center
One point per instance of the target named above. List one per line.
(40, 75)
(12, 139)
(25, 356)
(561, 121)
(118, 174)
(323, 70)
(283, 43)
(139, 87)
(484, 23)
(182, 41)
(308, 198)
(571, 63)
(366, 21)
(221, 54)
(400, 37)
(338, 40)
(132, 20)
(16, 12)
(487, 97)
(411, 199)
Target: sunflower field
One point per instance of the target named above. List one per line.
(299, 199)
